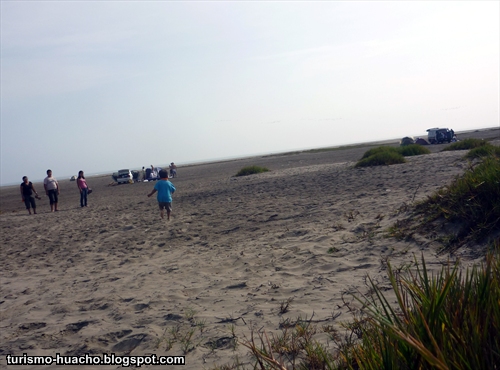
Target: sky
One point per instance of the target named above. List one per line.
(104, 85)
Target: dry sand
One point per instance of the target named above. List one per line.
(114, 278)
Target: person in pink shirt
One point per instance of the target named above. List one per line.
(83, 187)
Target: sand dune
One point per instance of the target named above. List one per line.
(114, 278)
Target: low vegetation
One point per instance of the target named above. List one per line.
(472, 201)
(447, 321)
(487, 150)
(386, 155)
(466, 144)
(250, 170)
(381, 159)
(413, 149)
(467, 210)
(450, 321)
(379, 150)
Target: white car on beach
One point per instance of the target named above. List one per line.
(124, 177)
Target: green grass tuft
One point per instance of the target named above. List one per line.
(482, 151)
(413, 149)
(472, 199)
(381, 158)
(448, 321)
(386, 155)
(379, 150)
(466, 144)
(250, 170)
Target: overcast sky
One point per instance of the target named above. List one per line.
(104, 85)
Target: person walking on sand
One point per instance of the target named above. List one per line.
(52, 190)
(27, 191)
(165, 190)
(173, 170)
(83, 187)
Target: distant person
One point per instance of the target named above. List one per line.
(52, 190)
(173, 170)
(439, 137)
(453, 136)
(165, 190)
(83, 187)
(27, 191)
(154, 173)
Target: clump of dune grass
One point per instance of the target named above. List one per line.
(472, 200)
(381, 159)
(447, 321)
(387, 155)
(380, 156)
(378, 150)
(450, 321)
(250, 170)
(293, 348)
(487, 150)
(413, 149)
(466, 144)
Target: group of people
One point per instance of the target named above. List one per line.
(163, 187)
(51, 187)
(153, 173)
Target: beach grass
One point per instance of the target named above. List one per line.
(482, 151)
(250, 170)
(380, 156)
(387, 155)
(447, 321)
(472, 200)
(413, 149)
(465, 144)
(379, 150)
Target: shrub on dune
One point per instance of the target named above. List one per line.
(487, 150)
(466, 144)
(472, 199)
(386, 155)
(381, 158)
(250, 170)
(413, 149)
(378, 150)
(448, 321)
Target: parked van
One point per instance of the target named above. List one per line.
(438, 135)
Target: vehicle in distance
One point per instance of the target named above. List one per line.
(438, 135)
(124, 177)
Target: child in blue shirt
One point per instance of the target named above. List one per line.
(165, 190)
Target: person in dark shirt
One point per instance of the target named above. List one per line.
(27, 191)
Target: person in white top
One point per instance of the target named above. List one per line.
(52, 190)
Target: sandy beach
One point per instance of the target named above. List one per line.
(115, 278)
